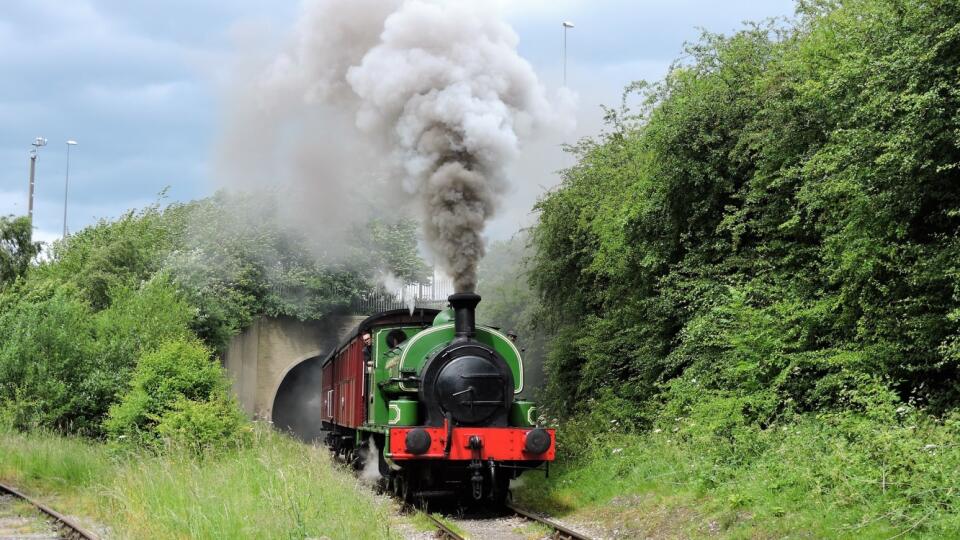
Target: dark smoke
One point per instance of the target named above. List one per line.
(440, 101)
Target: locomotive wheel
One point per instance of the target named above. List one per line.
(406, 491)
(501, 491)
(392, 484)
(400, 488)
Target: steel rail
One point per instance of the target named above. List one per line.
(445, 532)
(73, 530)
(560, 532)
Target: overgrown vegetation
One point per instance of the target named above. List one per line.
(275, 487)
(779, 225)
(178, 394)
(766, 245)
(126, 317)
(838, 475)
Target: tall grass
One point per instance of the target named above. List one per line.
(817, 477)
(275, 488)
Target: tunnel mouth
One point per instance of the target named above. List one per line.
(296, 406)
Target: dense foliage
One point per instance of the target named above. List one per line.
(510, 303)
(752, 282)
(177, 393)
(777, 230)
(121, 306)
(17, 247)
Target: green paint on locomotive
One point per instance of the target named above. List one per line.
(407, 359)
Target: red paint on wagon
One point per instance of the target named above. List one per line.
(342, 387)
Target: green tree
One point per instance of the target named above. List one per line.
(17, 248)
(778, 221)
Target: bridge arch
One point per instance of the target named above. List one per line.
(296, 399)
(260, 358)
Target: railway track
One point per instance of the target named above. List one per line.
(560, 532)
(68, 528)
(443, 530)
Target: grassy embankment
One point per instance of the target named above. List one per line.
(839, 476)
(274, 488)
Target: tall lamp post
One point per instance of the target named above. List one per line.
(66, 187)
(37, 144)
(566, 26)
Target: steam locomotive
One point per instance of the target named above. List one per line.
(431, 397)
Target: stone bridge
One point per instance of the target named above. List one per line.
(275, 368)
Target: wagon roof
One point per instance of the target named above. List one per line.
(394, 317)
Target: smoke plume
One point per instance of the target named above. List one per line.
(439, 101)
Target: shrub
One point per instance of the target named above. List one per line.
(17, 248)
(49, 370)
(778, 218)
(180, 386)
(62, 365)
(204, 426)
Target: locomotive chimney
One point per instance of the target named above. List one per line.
(464, 308)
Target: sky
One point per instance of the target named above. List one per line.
(139, 85)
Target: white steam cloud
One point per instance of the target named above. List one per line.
(370, 473)
(439, 101)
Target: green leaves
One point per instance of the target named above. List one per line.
(17, 248)
(780, 220)
(178, 392)
(74, 327)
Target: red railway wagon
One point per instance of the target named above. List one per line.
(343, 387)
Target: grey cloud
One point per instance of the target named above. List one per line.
(135, 82)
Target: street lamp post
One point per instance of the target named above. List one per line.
(66, 187)
(37, 144)
(566, 25)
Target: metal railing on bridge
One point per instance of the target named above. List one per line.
(432, 294)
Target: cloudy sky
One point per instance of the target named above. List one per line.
(138, 83)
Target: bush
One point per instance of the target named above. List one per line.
(50, 374)
(778, 218)
(180, 387)
(204, 426)
(17, 248)
(62, 365)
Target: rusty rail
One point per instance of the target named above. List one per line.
(443, 530)
(70, 528)
(560, 532)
